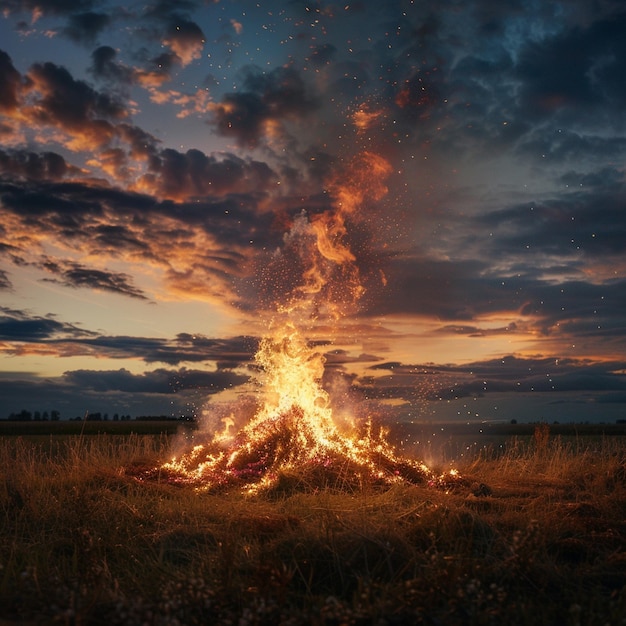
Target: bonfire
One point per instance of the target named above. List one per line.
(293, 442)
(293, 437)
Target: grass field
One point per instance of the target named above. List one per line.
(534, 533)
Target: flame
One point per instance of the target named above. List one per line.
(365, 180)
(293, 432)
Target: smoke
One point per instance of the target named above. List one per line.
(314, 275)
(312, 278)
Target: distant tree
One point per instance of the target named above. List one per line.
(55, 416)
(116, 417)
(37, 416)
(22, 416)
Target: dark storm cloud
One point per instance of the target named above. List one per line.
(481, 78)
(17, 330)
(590, 223)
(160, 381)
(558, 263)
(68, 339)
(507, 374)
(109, 237)
(183, 34)
(63, 205)
(193, 173)
(463, 291)
(10, 80)
(85, 27)
(265, 97)
(141, 143)
(82, 392)
(21, 326)
(34, 165)
(49, 97)
(106, 67)
(542, 375)
(76, 275)
(575, 71)
(226, 183)
(231, 352)
(71, 103)
(579, 309)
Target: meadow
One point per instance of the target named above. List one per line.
(533, 532)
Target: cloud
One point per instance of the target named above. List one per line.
(178, 175)
(183, 391)
(10, 81)
(73, 274)
(56, 99)
(60, 109)
(189, 103)
(35, 165)
(229, 352)
(24, 333)
(85, 27)
(185, 38)
(158, 71)
(48, 7)
(266, 98)
(160, 381)
(20, 326)
(584, 224)
(104, 66)
(200, 248)
(549, 375)
(575, 71)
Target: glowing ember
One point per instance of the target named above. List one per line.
(293, 436)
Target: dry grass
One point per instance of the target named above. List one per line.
(535, 536)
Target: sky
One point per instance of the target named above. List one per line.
(166, 165)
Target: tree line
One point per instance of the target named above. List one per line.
(55, 416)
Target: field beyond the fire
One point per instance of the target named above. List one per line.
(533, 532)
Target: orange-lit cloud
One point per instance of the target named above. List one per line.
(186, 40)
(188, 104)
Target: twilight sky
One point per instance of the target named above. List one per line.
(164, 163)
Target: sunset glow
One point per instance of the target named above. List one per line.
(430, 196)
